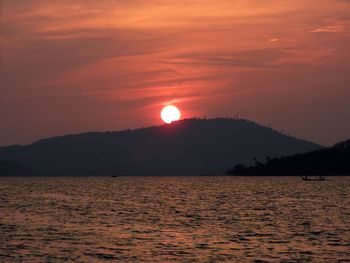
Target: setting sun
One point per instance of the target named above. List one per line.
(170, 113)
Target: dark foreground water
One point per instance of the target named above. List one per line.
(174, 219)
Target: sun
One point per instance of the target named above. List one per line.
(170, 113)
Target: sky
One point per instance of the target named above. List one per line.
(72, 66)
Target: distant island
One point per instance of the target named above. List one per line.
(12, 168)
(186, 147)
(328, 161)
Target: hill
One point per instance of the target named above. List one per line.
(332, 161)
(186, 147)
(11, 168)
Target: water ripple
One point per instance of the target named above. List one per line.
(165, 219)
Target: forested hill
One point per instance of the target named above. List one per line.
(186, 147)
(327, 161)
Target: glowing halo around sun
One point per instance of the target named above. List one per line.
(170, 113)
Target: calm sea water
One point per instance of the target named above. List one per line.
(174, 219)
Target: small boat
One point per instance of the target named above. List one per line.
(319, 179)
(114, 176)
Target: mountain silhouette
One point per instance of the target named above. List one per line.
(11, 168)
(327, 161)
(186, 147)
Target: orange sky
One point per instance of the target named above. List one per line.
(70, 66)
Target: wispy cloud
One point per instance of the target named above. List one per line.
(328, 29)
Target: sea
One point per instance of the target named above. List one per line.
(174, 219)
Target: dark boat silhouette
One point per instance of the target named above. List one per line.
(319, 179)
